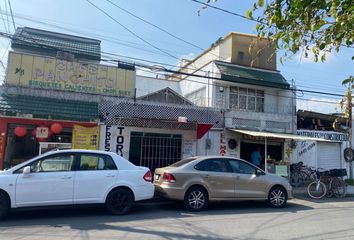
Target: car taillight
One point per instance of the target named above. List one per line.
(168, 177)
(147, 177)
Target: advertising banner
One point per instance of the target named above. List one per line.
(85, 137)
(115, 139)
(42, 132)
(57, 74)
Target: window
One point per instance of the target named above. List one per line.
(155, 150)
(183, 162)
(197, 97)
(242, 167)
(213, 165)
(240, 56)
(96, 162)
(56, 163)
(220, 97)
(246, 99)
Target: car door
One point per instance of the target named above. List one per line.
(50, 182)
(95, 174)
(248, 184)
(217, 175)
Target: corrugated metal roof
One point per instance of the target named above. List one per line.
(52, 42)
(166, 95)
(40, 107)
(247, 75)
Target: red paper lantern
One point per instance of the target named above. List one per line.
(20, 131)
(56, 128)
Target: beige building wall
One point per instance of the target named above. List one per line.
(248, 50)
(238, 48)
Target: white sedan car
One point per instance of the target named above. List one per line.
(71, 177)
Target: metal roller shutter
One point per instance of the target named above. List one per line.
(328, 155)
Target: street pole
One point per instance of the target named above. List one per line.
(350, 108)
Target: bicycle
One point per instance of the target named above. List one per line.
(328, 183)
(300, 174)
(317, 189)
(337, 186)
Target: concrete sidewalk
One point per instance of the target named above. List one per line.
(302, 191)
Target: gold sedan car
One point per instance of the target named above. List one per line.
(198, 180)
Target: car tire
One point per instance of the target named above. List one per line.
(277, 197)
(196, 199)
(4, 205)
(119, 201)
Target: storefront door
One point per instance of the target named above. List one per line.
(328, 155)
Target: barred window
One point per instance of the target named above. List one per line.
(246, 99)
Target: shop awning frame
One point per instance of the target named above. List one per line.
(276, 135)
(279, 135)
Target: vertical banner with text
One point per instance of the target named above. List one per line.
(115, 139)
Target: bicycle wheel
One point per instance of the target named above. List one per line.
(339, 187)
(317, 190)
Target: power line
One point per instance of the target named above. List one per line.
(89, 34)
(114, 41)
(174, 71)
(227, 11)
(12, 16)
(7, 48)
(244, 17)
(7, 16)
(3, 19)
(127, 29)
(334, 90)
(267, 93)
(46, 22)
(154, 25)
(161, 29)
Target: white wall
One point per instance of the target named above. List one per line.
(276, 109)
(117, 139)
(214, 149)
(191, 84)
(146, 85)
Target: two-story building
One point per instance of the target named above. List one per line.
(53, 85)
(238, 75)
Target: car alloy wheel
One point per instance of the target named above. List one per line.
(277, 197)
(196, 199)
(119, 201)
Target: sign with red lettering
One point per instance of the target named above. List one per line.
(222, 144)
(42, 132)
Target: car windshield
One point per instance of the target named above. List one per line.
(182, 162)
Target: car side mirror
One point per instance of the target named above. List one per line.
(27, 170)
(259, 173)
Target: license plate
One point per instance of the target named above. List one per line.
(157, 177)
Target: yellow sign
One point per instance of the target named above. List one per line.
(85, 137)
(52, 73)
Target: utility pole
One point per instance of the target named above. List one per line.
(350, 108)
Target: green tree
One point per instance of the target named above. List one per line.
(301, 26)
(319, 26)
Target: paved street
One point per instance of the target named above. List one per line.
(302, 219)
